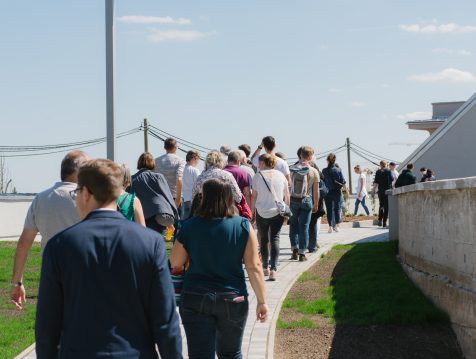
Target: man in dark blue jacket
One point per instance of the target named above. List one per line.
(105, 289)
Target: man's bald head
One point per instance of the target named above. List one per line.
(71, 164)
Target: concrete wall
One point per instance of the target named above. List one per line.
(13, 209)
(437, 240)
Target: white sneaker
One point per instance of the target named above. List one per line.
(330, 230)
(336, 229)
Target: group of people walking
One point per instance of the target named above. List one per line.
(105, 283)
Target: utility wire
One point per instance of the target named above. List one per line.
(363, 156)
(371, 154)
(86, 144)
(194, 145)
(154, 134)
(162, 138)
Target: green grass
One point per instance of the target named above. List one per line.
(367, 287)
(17, 327)
(303, 323)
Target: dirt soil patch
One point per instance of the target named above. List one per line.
(327, 340)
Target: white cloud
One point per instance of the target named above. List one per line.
(177, 35)
(461, 52)
(435, 28)
(418, 115)
(165, 20)
(446, 75)
(358, 104)
(334, 90)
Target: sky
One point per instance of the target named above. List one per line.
(220, 72)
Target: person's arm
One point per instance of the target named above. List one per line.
(315, 195)
(178, 255)
(287, 198)
(361, 186)
(138, 212)
(255, 274)
(164, 321)
(255, 155)
(49, 310)
(18, 294)
(178, 192)
(375, 184)
(247, 194)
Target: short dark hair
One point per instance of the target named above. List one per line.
(246, 149)
(331, 158)
(422, 169)
(410, 166)
(170, 144)
(306, 152)
(217, 200)
(280, 155)
(269, 143)
(269, 160)
(71, 163)
(146, 160)
(103, 178)
(191, 155)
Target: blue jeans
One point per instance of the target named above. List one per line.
(313, 232)
(186, 206)
(299, 224)
(333, 207)
(213, 322)
(268, 231)
(357, 202)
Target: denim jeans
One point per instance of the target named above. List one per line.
(186, 206)
(357, 202)
(268, 231)
(314, 227)
(332, 201)
(213, 322)
(299, 224)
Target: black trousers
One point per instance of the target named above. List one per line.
(383, 207)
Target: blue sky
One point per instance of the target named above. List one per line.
(216, 72)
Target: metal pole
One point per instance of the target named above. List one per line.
(146, 138)
(349, 165)
(110, 61)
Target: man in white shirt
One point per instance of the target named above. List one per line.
(269, 145)
(190, 174)
(394, 172)
(50, 212)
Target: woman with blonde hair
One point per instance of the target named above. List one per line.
(128, 203)
(269, 186)
(214, 164)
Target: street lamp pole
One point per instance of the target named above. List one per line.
(110, 62)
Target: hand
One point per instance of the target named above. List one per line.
(314, 209)
(262, 312)
(18, 297)
(178, 202)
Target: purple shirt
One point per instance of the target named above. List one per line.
(241, 176)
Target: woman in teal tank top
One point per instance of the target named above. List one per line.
(214, 300)
(128, 204)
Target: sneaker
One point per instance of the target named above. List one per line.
(294, 255)
(266, 272)
(302, 258)
(380, 223)
(312, 250)
(330, 230)
(336, 229)
(272, 276)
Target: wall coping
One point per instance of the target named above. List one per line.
(26, 197)
(447, 184)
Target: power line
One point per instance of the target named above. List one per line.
(363, 156)
(194, 145)
(155, 135)
(371, 154)
(64, 147)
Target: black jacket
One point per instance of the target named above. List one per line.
(406, 178)
(384, 179)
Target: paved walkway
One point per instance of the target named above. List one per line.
(258, 340)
